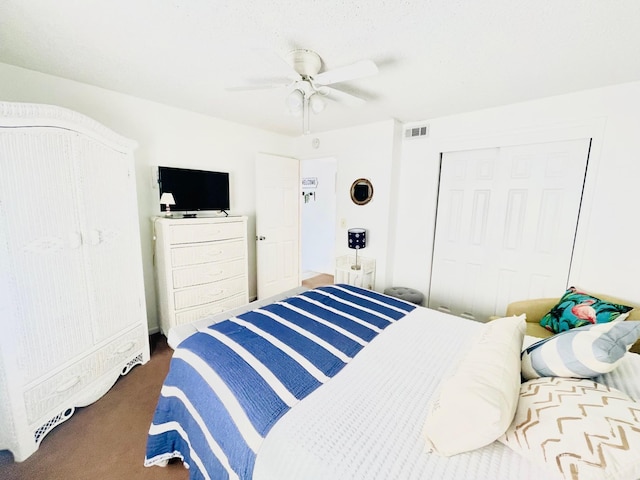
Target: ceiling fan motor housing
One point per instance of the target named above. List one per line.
(306, 62)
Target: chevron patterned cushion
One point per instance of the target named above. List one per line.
(582, 352)
(581, 429)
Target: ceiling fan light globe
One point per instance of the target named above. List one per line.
(316, 103)
(295, 101)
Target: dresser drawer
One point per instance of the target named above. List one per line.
(205, 232)
(199, 313)
(207, 273)
(210, 292)
(52, 393)
(207, 252)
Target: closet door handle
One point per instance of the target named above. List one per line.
(94, 237)
(75, 240)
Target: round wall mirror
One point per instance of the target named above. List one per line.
(361, 191)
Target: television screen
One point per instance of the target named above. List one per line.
(194, 190)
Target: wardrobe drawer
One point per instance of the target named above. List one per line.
(210, 292)
(199, 313)
(207, 252)
(207, 273)
(205, 232)
(54, 392)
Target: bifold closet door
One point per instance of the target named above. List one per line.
(505, 225)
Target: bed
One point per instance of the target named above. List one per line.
(338, 383)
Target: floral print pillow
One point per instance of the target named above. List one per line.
(577, 308)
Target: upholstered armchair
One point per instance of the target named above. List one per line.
(537, 308)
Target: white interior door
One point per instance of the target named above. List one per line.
(506, 225)
(277, 224)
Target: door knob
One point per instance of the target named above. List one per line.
(261, 238)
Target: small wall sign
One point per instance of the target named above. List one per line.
(310, 182)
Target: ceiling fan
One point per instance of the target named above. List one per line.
(308, 87)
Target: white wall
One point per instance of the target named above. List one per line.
(404, 174)
(606, 258)
(366, 151)
(166, 136)
(318, 214)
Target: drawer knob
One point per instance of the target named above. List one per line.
(209, 313)
(214, 295)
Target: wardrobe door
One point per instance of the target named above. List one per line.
(112, 245)
(43, 239)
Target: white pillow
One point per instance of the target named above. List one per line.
(578, 428)
(476, 404)
(582, 352)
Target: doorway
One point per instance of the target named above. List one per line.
(318, 216)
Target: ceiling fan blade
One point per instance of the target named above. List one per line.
(262, 84)
(341, 97)
(363, 68)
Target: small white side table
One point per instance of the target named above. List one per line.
(365, 277)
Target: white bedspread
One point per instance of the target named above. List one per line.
(366, 423)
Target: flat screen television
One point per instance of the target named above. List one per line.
(194, 190)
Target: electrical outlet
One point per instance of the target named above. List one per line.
(343, 223)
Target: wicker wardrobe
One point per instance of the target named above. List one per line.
(72, 305)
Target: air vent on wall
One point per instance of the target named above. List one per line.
(417, 131)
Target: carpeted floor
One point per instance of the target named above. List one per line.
(106, 440)
(318, 280)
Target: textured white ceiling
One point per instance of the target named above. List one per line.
(436, 57)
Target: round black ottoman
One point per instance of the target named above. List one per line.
(404, 293)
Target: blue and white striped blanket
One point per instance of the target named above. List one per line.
(230, 383)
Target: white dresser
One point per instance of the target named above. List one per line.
(201, 267)
(72, 304)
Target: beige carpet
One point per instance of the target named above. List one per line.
(106, 440)
(318, 281)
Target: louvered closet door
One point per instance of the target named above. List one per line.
(112, 244)
(506, 224)
(44, 243)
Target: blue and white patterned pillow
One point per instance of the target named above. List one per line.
(582, 352)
